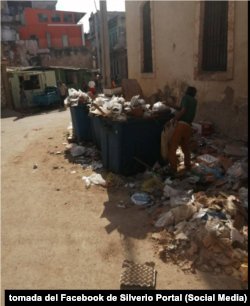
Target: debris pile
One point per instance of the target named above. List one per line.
(118, 109)
(77, 97)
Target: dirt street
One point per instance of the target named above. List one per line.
(58, 235)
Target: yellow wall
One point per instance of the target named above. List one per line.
(174, 49)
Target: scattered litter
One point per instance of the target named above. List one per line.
(120, 205)
(207, 159)
(35, 166)
(59, 152)
(236, 151)
(140, 198)
(77, 150)
(70, 127)
(95, 179)
(70, 146)
(72, 172)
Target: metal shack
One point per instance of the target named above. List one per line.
(33, 81)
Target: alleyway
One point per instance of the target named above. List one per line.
(58, 235)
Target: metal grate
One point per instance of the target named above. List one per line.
(147, 40)
(215, 36)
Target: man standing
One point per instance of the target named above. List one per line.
(63, 92)
(92, 86)
(182, 132)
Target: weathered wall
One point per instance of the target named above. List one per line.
(80, 57)
(5, 86)
(173, 52)
(27, 53)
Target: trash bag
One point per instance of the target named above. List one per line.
(165, 220)
(166, 136)
(184, 212)
(135, 102)
(239, 170)
(77, 151)
(97, 179)
(159, 107)
(179, 200)
(170, 192)
(140, 198)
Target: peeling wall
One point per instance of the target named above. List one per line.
(221, 102)
(27, 53)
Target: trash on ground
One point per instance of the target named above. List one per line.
(77, 150)
(140, 198)
(35, 166)
(95, 179)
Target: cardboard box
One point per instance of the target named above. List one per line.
(203, 128)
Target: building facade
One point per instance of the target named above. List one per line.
(117, 42)
(118, 47)
(53, 29)
(35, 34)
(173, 44)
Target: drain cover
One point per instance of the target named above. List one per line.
(138, 275)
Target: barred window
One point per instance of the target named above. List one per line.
(147, 40)
(214, 57)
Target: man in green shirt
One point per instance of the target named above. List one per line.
(182, 132)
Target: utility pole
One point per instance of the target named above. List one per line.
(105, 44)
(96, 19)
(97, 43)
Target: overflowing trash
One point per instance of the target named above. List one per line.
(202, 214)
(76, 97)
(118, 109)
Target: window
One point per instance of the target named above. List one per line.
(55, 17)
(30, 82)
(43, 17)
(33, 36)
(147, 40)
(215, 29)
(71, 77)
(67, 18)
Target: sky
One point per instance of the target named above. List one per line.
(88, 6)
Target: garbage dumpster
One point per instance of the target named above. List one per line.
(81, 123)
(96, 130)
(122, 141)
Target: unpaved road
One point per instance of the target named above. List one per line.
(58, 235)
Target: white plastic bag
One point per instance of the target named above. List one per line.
(77, 150)
(170, 192)
(97, 179)
(179, 201)
(159, 107)
(70, 127)
(134, 102)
